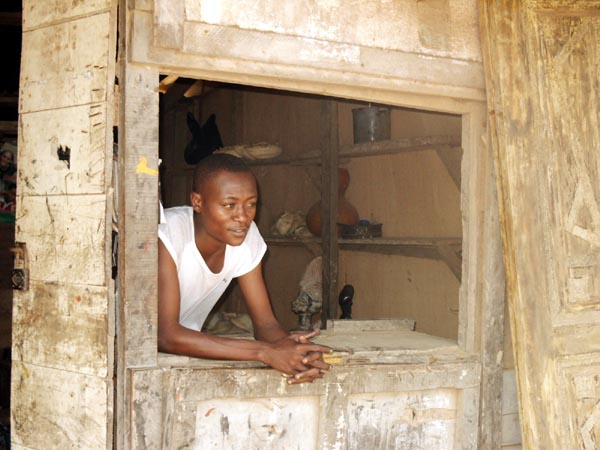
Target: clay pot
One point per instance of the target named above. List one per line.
(347, 214)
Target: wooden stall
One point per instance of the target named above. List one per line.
(289, 77)
(281, 80)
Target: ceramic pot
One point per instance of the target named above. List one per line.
(347, 214)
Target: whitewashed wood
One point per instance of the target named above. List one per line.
(265, 423)
(467, 76)
(83, 130)
(37, 14)
(138, 215)
(70, 321)
(168, 23)
(510, 397)
(445, 29)
(191, 394)
(363, 87)
(58, 409)
(142, 5)
(138, 237)
(65, 238)
(511, 429)
(415, 420)
(62, 395)
(67, 64)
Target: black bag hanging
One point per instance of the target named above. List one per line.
(205, 139)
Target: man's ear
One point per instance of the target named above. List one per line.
(196, 200)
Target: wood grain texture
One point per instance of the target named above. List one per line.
(65, 236)
(38, 14)
(58, 409)
(541, 59)
(219, 49)
(63, 332)
(71, 322)
(81, 129)
(339, 398)
(67, 64)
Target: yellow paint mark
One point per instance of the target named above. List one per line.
(25, 371)
(332, 358)
(142, 167)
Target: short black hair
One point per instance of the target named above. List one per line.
(212, 164)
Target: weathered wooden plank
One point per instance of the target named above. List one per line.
(148, 397)
(81, 131)
(405, 71)
(138, 215)
(37, 14)
(329, 139)
(138, 237)
(490, 291)
(71, 322)
(541, 59)
(67, 64)
(142, 5)
(58, 409)
(266, 423)
(438, 28)
(414, 419)
(235, 394)
(66, 238)
(218, 41)
(168, 24)
(452, 159)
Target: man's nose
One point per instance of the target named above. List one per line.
(241, 213)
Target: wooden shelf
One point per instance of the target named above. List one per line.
(445, 249)
(287, 241)
(393, 146)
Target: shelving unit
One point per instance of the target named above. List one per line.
(329, 157)
(413, 270)
(392, 146)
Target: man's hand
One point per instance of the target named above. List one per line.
(316, 367)
(297, 358)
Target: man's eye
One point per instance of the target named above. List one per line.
(251, 205)
(229, 205)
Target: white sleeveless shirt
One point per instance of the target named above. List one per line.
(199, 288)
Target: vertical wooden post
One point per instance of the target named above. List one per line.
(329, 202)
(138, 222)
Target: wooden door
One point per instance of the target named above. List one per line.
(542, 61)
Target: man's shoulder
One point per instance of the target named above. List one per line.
(178, 221)
(177, 213)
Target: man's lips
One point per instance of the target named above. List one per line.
(239, 231)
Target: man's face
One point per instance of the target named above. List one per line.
(5, 159)
(227, 205)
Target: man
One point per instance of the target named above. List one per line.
(201, 249)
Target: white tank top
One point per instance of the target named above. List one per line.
(200, 288)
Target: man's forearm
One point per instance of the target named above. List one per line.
(201, 345)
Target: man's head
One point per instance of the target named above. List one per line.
(211, 165)
(224, 199)
(6, 158)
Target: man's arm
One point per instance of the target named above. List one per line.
(283, 354)
(267, 328)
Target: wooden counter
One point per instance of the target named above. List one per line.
(386, 389)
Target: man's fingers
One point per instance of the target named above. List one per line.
(308, 375)
(319, 364)
(306, 348)
(305, 338)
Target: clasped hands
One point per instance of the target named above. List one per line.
(303, 361)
